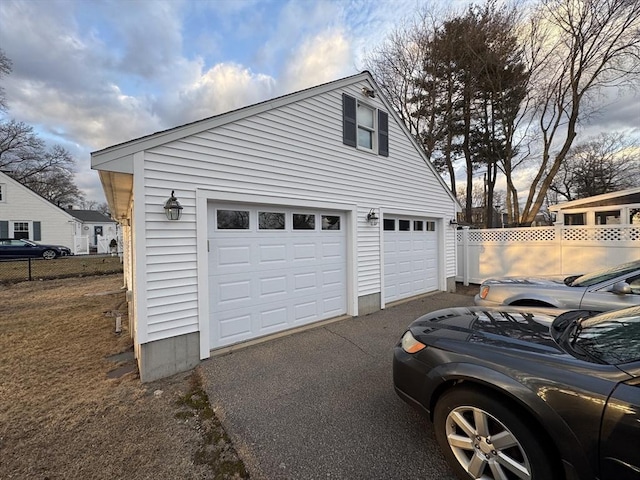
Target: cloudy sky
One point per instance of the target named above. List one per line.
(89, 74)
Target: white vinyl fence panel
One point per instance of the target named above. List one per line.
(558, 250)
(81, 245)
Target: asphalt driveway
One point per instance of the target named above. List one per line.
(320, 404)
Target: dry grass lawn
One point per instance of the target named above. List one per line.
(62, 417)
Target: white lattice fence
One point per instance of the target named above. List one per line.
(558, 250)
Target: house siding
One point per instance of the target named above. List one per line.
(295, 151)
(20, 204)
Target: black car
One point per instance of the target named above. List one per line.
(517, 393)
(12, 248)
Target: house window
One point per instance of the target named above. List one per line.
(233, 219)
(611, 217)
(21, 230)
(366, 126)
(574, 219)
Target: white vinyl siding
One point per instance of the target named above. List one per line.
(294, 151)
(22, 205)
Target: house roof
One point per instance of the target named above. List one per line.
(625, 196)
(89, 216)
(116, 166)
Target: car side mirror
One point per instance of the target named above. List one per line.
(621, 288)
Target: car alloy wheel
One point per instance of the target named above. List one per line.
(482, 443)
(484, 439)
(49, 254)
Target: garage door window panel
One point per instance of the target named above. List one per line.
(304, 221)
(404, 225)
(330, 222)
(271, 221)
(232, 219)
(389, 224)
(418, 225)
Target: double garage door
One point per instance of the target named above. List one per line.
(410, 257)
(272, 269)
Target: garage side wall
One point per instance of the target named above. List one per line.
(294, 152)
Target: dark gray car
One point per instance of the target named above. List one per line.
(22, 248)
(605, 289)
(521, 393)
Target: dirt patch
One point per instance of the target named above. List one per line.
(72, 406)
(471, 289)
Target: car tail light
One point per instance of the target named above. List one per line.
(484, 291)
(410, 344)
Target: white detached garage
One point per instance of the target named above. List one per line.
(308, 207)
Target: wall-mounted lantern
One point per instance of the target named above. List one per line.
(172, 208)
(372, 218)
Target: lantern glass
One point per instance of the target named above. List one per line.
(172, 208)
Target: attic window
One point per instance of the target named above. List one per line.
(364, 126)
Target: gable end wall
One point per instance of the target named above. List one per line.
(297, 152)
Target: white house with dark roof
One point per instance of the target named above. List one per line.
(96, 226)
(25, 214)
(301, 209)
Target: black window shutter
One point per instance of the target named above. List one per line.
(37, 234)
(4, 229)
(349, 130)
(383, 133)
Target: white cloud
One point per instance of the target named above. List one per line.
(222, 88)
(90, 74)
(320, 59)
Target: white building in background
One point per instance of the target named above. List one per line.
(617, 208)
(97, 227)
(26, 214)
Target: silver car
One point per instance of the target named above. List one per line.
(615, 287)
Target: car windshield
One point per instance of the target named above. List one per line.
(611, 337)
(604, 275)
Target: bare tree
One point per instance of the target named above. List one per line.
(398, 67)
(5, 69)
(581, 47)
(25, 158)
(608, 163)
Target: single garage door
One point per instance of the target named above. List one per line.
(272, 269)
(410, 257)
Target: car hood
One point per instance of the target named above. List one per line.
(505, 327)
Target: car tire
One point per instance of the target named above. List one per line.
(49, 254)
(482, 437)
